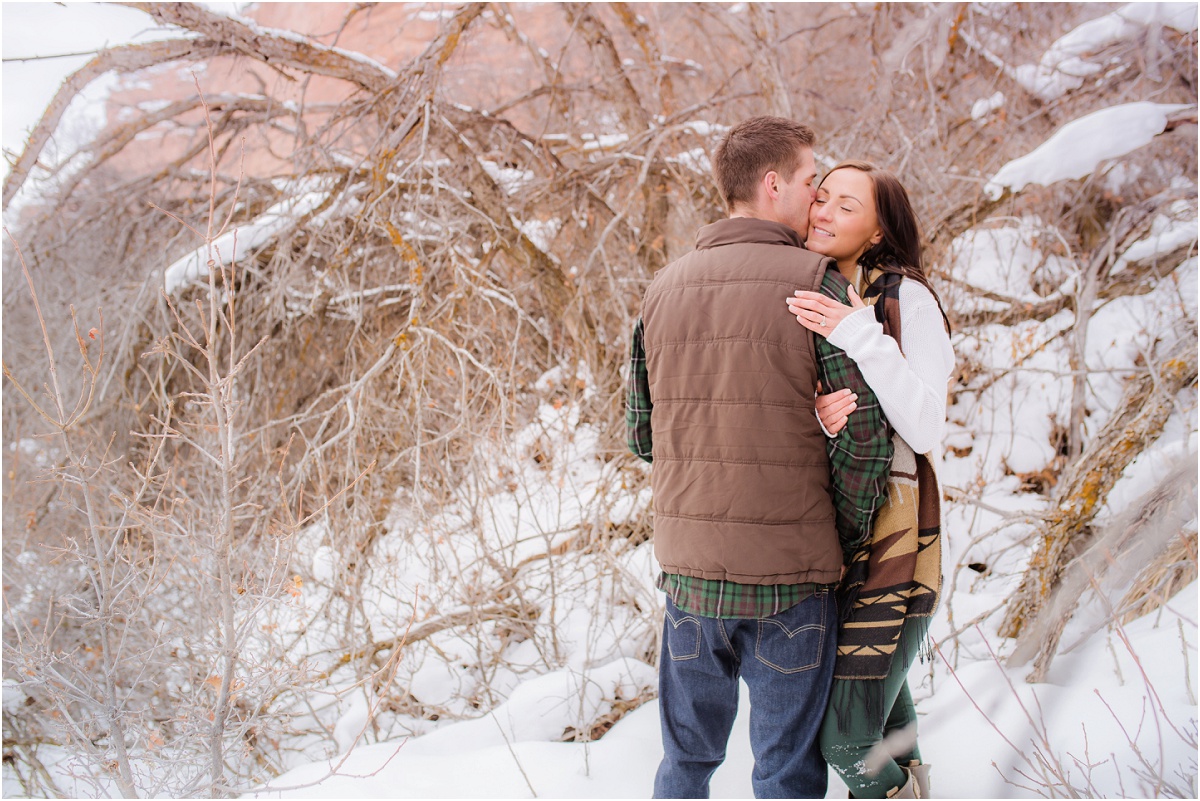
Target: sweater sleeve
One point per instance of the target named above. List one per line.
(911, 386)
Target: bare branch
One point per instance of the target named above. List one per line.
(276, 48)
(129, 58)
(609, 64)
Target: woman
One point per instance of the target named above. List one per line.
(862, 218)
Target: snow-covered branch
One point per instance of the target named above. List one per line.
(1078, 148)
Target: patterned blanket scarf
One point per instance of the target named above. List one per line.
(897, 573)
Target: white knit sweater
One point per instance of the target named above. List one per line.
(911, 386)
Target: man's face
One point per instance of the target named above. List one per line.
(796, 194)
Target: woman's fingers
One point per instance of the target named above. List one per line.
(834, 425)
(809, 312)
(813, 301)
(835, 408)
(836, 401)
(855, 301)
(817, 312)
(798, 306)
(810, 319)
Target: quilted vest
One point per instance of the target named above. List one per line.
(740, 476)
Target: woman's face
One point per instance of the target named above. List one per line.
(842, 222)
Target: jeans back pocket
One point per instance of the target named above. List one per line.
(683, 637)
(794, 640)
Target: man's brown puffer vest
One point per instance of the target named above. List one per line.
(740, 477)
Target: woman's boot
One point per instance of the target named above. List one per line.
(920, 773)
(907, 790)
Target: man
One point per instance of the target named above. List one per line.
(721, 400)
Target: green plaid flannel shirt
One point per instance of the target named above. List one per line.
(859, 458)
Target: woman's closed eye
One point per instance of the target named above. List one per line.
(821, 201)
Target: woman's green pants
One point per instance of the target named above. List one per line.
(854, 724)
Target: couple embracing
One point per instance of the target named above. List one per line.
(796, 508)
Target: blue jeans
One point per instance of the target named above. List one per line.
(787, 662)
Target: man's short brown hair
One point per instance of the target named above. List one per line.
(754, 147)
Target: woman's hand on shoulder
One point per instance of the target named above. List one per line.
(820, 314)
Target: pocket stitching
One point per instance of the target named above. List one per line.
(808, 626)
(675, 625)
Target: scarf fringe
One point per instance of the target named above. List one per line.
(862, 696)
(859, 698)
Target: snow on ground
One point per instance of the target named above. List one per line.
(1119, 690)
(986, 105)
(1118, 696)
(980, 725)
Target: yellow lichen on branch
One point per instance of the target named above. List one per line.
(1136, 423)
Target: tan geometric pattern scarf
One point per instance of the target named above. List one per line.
(897, 574)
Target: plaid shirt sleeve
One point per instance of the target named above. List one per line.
(637, 402)
(861, 453)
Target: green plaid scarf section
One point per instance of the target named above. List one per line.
(859, 458)
(727, 599)
(861, 453)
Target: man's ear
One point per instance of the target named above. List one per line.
(770, 184)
